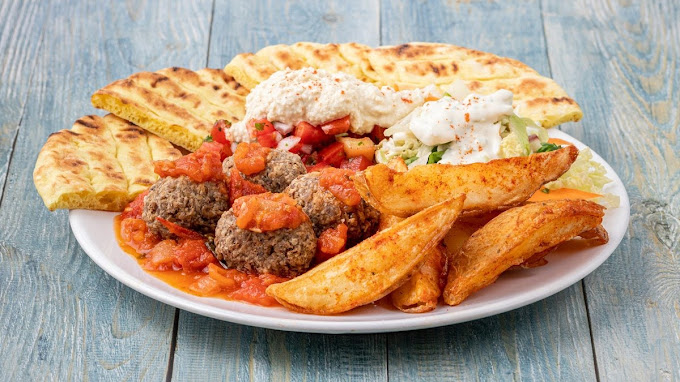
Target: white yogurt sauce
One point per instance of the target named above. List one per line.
(317, 96)
(471, 128)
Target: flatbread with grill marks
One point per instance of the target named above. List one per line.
(101, 163)
(175, 103)
(416, 65)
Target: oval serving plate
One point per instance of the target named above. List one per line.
(514, 289)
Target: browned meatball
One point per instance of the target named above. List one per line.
(326, 211)
(285, 252)
(282, 168)
(192, 205)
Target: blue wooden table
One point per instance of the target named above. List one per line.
(63, 318)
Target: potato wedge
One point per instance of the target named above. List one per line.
(421, 292)
(488, 186)
(371, 269)
(514, 237)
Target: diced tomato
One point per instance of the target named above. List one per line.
(239, 187)
(338, 126)
(253, 290)
(331, 242)
(218, 132)
(356, 163)
(268, 140)
(161, 257)
(263, 131)
(310, 134)
(296, 149)
(317, 167)
(258, 127)
(339, 182)
(179, 231)
(193, 255)
(377, 134)
(355, 147)
(250, 158)
(136, 234)
(202, 166)
(206, 286)
(333, 154)
(135, 208)
(224, 277)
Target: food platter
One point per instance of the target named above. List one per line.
(514, 289)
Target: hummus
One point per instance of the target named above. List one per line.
(317, 96)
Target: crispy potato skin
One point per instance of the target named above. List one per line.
(421, 292)
(514, 237)
(371, 269)
(488, 186)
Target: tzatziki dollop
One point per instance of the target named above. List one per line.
(458, 132)
(317, 96)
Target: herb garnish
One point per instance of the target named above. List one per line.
(259, 126)
(209, 138)
(548, 147)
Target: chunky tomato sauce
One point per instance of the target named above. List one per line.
(267, 212)
(186, 263)
(339, 182)
(250, 158)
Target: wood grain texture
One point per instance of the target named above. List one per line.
(21, 29)
(624, 56)
(548, 340)
(63, 318)
(241, 353)
(235, 352)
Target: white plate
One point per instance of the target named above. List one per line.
(566, 266)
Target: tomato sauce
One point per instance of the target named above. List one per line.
(267, 212)
(339, 182)
(195, 270)
(250, 158)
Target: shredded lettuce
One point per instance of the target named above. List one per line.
(586, 174)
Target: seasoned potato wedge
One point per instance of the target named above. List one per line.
(371, 269)
(488, 186)
(421, 292)
(514, 237)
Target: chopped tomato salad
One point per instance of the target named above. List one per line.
(267, 212)
(339, 182)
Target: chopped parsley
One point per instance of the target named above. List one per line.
(259, 126)
(446, 94)
(548, 147)
(545, 190)
(410, 160)
(435, 157)
(208, 139)
(360, 143)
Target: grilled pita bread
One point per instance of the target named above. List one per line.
(100, 164)
(416, 65)
(177, 104)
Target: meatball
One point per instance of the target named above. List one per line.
(192, 205)
(285, 252)
(326, 211)
(282, 168)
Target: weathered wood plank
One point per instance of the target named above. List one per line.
(62, 317)
(235, 352)
(247, 27)
(624, 59)
(548, 340)
(21, 28)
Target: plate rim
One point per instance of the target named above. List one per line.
(330, 326)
